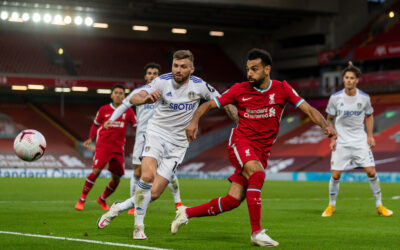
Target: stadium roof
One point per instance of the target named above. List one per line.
(238, 15)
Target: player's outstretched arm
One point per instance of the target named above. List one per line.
(142, 97)
(116, 114)
(193, 127)
(231, 111)
(369, 122)
(317, 118)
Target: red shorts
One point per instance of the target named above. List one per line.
(116, 161)
(240, 152)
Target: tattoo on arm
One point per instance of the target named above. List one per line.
(231, 111)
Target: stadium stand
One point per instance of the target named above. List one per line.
(22, 55)
(104, 57)
(73, 112)
(26, 115)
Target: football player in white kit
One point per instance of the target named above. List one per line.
(143, 115)
(350, 106)
(179, 95)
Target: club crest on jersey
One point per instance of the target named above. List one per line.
(147, 149)
(272, 98)
(359, 105)
(191, 95)
(247, 152)
(123, 116)
(169, 94)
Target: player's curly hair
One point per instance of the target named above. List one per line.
(152, 65)
(351, 68)
(118, 86)
(264, 55)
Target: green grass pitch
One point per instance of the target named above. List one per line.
(291, 210)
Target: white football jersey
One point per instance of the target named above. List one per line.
(176, 106)
(143, 112)
(350, 112)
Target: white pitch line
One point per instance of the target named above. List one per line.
(202, 200)
(396, 198)
(82, 240)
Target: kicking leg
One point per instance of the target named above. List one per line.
(216, 206)
(174, 188)
(133, 183)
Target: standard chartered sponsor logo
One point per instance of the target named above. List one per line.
(260, 113)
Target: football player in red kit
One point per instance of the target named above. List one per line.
(109, 147)
(260, 102)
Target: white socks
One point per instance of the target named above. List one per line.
(376, 190)
(174, 188)
(133, 183)
(333, 191)
(127, 204)
(142, 200)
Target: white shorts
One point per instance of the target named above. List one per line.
(168, 156)
(350, 157)
(138, 148)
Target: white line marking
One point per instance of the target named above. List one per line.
(82, 240)
(396, 197)
(202, 200)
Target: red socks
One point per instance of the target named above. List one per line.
(253, 197)
(88, 185)
(214, 207)
(109, 190)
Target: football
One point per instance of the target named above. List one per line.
(29, 145)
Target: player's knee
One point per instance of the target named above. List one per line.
(252, 167)
(336, 176)
(116, 179)
(371, 173)
(96, 171)
(137, 171)
(147, 177)
(137, 174)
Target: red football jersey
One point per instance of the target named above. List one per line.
(113, 138)
(259, 110)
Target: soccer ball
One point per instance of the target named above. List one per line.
(29, 145)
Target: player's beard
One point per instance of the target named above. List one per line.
(254, 82)
(182, 79)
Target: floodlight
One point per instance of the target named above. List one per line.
(36, 17)
(67, 19)
(25, 17)
(78, 20)
(4, 15)
(88, 21)
(47, 18)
